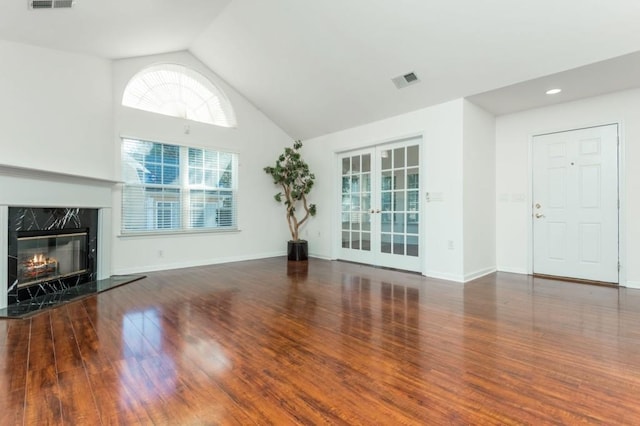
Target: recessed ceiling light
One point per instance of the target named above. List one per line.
(553, 91)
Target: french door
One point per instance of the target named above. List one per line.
(380, 205)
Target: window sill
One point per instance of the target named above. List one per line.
(178, 233)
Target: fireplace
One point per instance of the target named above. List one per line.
(47, 255)
(34, 199)
(50, 249)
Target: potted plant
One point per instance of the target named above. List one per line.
(292, 173)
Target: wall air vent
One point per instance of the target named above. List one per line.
(50, 4)
(405, 80)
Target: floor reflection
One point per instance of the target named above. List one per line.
(298, 271)
(141, 380)
(356, 307)
(160, 343)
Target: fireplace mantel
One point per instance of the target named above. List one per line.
(31, 173)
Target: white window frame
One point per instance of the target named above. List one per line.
(146, 221)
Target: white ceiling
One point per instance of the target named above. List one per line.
(110, 28)
(315, 67)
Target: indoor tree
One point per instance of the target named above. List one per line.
(292, 174)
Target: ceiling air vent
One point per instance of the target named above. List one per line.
(50, 4)
(405, 80)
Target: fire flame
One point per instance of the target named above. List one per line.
(38, 259)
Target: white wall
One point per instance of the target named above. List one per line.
(479, 161)
(263, 229)
(441, 129)
(55, 111)
(513, 133)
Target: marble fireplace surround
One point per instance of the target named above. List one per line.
(25, 187)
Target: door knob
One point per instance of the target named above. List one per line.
(539, 215)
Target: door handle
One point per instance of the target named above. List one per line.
(539, 215)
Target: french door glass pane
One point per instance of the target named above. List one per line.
(355, 221)
(398, 158)
(398, 179)
(355, 240)
(398, 203)
(386, 159)
(346, 166)
(386, 222)
(387, 181)
(398, 223)
(366, 222)
(366, 182)
(385, 243)
(366, 163)
(412, 201)
(366, 241)
(346, 184)
(366, 202)
(413, 178)
(386, 201)
(412, 245)
(355, 164)
(398, 244)
(355, 184)
(412, 156)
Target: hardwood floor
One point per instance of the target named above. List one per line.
(260, 343)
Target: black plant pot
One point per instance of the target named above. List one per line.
(297, 250)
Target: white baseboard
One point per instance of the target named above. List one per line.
(478, 274)
(444, 276)
(512, 270)
(190, 264)
(632, 285)
(459, 278)
(318, 256)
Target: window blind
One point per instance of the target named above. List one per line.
(172, 188)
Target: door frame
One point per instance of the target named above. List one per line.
(622, 255)
(336, 217)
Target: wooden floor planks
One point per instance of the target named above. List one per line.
(267, 342)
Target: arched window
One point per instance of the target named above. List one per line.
(178, 91)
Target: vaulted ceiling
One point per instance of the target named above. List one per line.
(315, 67)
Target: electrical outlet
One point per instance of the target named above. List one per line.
(450, 244)
(160, 253)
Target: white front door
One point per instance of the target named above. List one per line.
(575, 204)
(380, 205)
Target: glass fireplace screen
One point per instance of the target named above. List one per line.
(48, 257)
